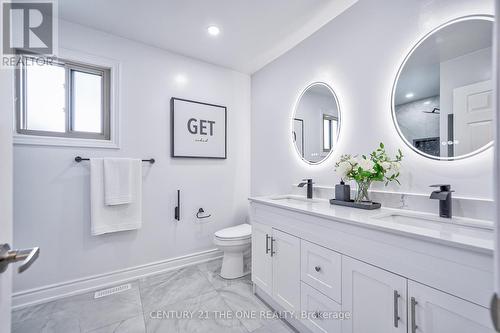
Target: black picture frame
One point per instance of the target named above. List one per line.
(302, 134)
(172, 128)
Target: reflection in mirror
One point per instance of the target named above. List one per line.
(442, 97)
(316, 123)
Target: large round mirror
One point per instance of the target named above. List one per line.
(442, 100)
(316, 123)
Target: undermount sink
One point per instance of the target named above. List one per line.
(456, 225)
(293, 199)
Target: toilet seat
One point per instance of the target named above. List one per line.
(239, 232)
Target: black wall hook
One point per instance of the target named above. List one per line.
(201, 211)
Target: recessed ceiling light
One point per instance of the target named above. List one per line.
(213, 30)
(409, 95)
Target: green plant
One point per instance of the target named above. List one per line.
(375, 167)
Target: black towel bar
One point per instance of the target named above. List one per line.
(79, 159)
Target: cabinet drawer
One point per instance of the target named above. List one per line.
(320, 310)
(321, 268)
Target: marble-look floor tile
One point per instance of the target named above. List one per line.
(198, 289)
(277, 326)
(204, 313)
(41, 318)
(240, 298)
(33, 312)
(172, 287)
(95, 313)
(50, 324)
(131, 325)
(211, 270)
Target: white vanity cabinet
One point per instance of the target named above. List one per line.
(321, 268)
(382, 282)
(262, 262)
(378, 301)
(375, 298)
(432, 311)
(276, 265)
(318, 308)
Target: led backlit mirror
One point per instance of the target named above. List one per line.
(442, 100)
(316, 123)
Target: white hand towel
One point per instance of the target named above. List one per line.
(117, 181)
(106, 219)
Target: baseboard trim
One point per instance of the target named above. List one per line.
(52, 292)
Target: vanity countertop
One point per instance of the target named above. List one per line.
(469, 234)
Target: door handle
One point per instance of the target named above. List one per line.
(267, 243)
(413, 304)
(8, 256)
(396, 308)
(272, 246)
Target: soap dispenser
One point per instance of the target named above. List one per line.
(342, 191)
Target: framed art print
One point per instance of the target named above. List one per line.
(199, 130)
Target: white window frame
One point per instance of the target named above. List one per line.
(331, 138)
(113, 142)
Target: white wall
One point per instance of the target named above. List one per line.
(358, 54)
(51, 199)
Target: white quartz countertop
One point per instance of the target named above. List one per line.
(470, 234)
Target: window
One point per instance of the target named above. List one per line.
(63, 99)
(330, 126)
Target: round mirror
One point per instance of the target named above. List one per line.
(316, 123)
(442, 100)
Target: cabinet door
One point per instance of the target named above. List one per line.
(262, 267)
(375, 298)
(286, 270)
(433, 311)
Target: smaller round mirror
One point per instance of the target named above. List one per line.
(316, 123)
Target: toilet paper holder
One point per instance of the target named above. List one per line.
(200, 215)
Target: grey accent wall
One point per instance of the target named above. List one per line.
(416, 124)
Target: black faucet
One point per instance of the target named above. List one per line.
(309, 183)
(444, 197)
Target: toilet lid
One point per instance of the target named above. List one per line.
(239, 231)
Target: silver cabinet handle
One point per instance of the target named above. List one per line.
(396, 308)
(317, 268)
(267, 243)
(8, 256)
(272, 246)
(414, 326)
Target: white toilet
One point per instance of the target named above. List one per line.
(233, 241)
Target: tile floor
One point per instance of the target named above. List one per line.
(156, 304)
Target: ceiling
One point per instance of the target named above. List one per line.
(421, 74)
(319, 89)
(253, 32)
